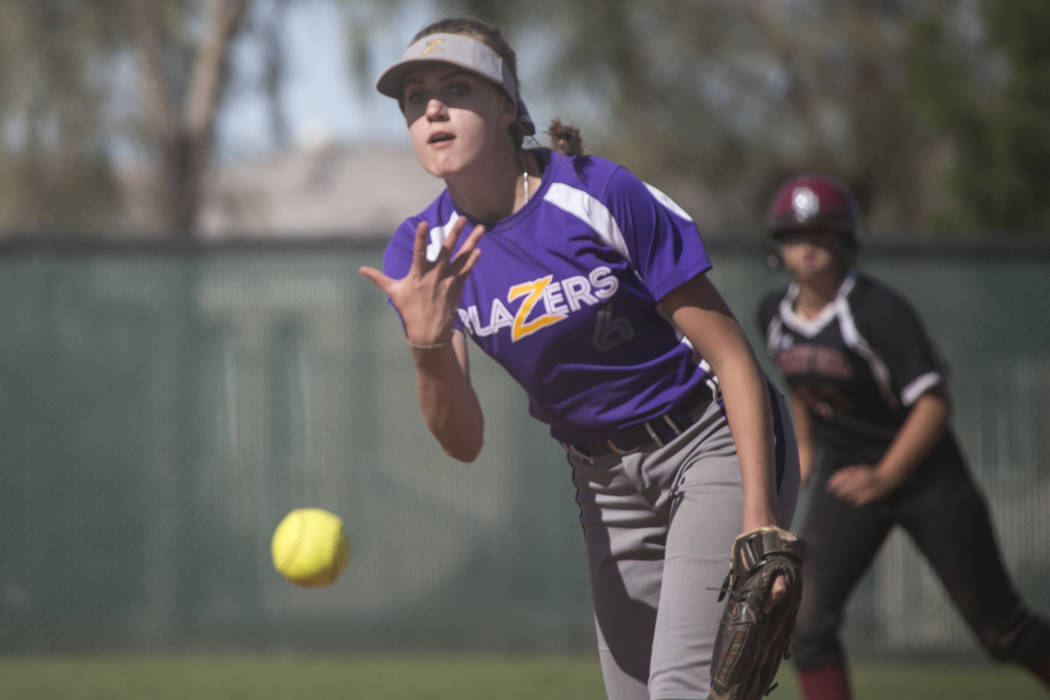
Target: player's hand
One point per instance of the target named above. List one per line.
(427, 296)
(779, 587)
(859, 485)
(777, 591)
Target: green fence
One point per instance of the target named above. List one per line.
(161, 410)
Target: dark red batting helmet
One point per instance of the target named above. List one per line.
(814, 202)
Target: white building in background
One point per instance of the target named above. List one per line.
(320, 188)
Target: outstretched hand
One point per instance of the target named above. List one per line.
(427, 296)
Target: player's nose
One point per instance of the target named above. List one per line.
(436, 110)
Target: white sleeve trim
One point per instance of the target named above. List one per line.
(917, 388)
(667, 202)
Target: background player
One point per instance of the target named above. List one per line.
(871, 407)
(588, 287)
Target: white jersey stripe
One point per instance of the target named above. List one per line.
(852, 337)
(592, 212)
(840, 309)
(774, 335)
(438, 234)
(669, 203)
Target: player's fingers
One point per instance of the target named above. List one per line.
(463, 264)
(469, 245)
(844, 492)
(838, 490)
(472, 240)
(840, 479)
(419, 249)
(376, 277)
(467, 255)
(449, 244)
(776, 592)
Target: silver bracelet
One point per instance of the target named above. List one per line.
(429, 346)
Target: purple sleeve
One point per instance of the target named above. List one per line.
(663, 241)
(397, 259)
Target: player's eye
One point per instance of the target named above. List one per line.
(458, 88)
(415, 96)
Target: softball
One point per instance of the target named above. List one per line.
(309, 547)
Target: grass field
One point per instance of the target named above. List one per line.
(459, 677)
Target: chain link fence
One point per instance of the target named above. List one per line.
(163, 408)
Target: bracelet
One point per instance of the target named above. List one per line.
(429, 346)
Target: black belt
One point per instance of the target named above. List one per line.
(651, 434)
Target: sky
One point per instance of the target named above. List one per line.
(321, 100)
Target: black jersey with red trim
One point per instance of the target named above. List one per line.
(858, 366)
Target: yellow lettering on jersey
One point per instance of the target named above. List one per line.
(533, 292)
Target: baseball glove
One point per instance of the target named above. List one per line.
(751, 641)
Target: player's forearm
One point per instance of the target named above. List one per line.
(448, 402)
(703, 316)
(747, 409)
(921, 432)
(805, 459)
(803, 436)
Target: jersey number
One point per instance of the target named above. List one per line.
(610, 332)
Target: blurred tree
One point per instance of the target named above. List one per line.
(102, 106)
(183, 82)
(993, 99)
(55, 169)
(935, 112)
(718, 102)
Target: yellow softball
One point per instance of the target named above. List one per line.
(309, 547)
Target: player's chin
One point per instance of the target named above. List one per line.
(807, 271)
(440, 165)
(433, 161)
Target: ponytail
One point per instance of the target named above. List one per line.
(565, 138)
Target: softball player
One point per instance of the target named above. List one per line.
(588, 287)
(870, 400)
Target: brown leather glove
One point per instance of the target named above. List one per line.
(751, 642)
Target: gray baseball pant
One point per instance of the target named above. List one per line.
(658, 528)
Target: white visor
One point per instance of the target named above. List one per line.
(457, 49)
(462, 51)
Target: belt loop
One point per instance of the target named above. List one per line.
(618, 451)
(571, 449)
(652, 434)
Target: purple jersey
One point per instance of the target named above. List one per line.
(565, 295)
